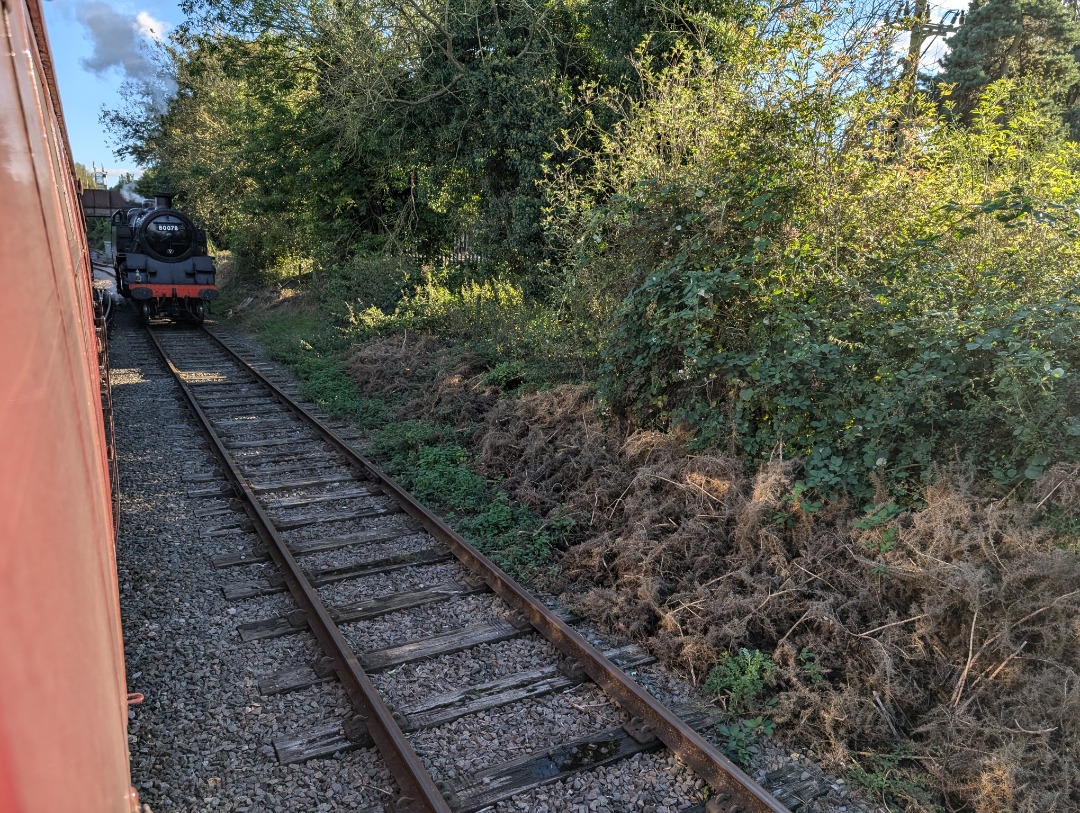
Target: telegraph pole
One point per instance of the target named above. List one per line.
(915, 44)
(921, 31)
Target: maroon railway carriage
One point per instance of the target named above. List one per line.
(63, 694)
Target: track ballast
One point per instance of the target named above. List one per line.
(395, 598)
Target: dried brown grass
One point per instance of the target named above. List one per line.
(962, 638)
(425, 377)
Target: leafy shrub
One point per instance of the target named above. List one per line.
(741, 680)
(493, 317)
(507, 375)
(328, 385)
(805, 298)
(442, 473)
(895, 776)
(371, 279)
(513, 537)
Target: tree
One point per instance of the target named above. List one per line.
(84, 176)
(1035, 40)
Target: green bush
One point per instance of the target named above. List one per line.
(742, 680)
(868, 306)
(492, 317)
(372, 280)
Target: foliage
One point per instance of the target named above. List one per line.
(879, 534)
(305, 345)
(492, 315)
(738, 738)
(438, 472)
(364, 280)
(809, 666)
(757, 240)
(514, 538)
(895, 777)
(742, 680)
(244, 137)
(399, 444)
(772, 280)
(85, 176)
(509, 376)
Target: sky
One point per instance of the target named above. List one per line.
(96, 46)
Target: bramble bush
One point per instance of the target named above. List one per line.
(797, 278)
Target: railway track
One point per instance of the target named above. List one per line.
(388, 589)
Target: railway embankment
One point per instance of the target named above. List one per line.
(212, 734)
(924, 650)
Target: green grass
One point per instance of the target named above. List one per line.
(426, 459)
(306, 344)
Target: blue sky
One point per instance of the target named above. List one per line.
(96, 45)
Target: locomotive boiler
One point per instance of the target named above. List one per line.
(162, 262)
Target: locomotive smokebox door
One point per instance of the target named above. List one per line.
(168, 237)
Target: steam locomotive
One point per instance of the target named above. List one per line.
(162, 262)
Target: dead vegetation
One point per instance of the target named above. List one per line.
(946, 638)
(424, 377)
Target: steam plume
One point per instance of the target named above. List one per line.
(120, 41)
(127, 191)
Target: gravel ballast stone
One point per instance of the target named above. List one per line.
(203, 738)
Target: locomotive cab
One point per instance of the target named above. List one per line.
(162, 261)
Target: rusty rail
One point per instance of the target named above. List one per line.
(419, 791)
(733, 789)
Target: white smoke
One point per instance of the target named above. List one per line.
(122, 41)
(127, 191)
(150, 28)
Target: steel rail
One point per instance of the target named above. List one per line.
(732, 787)
(420, 794)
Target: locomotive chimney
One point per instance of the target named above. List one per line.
(163, 200)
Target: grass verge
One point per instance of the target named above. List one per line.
(425, 457)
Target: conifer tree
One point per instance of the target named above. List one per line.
(1037, 40)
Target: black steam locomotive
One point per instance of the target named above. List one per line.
(162, 262)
